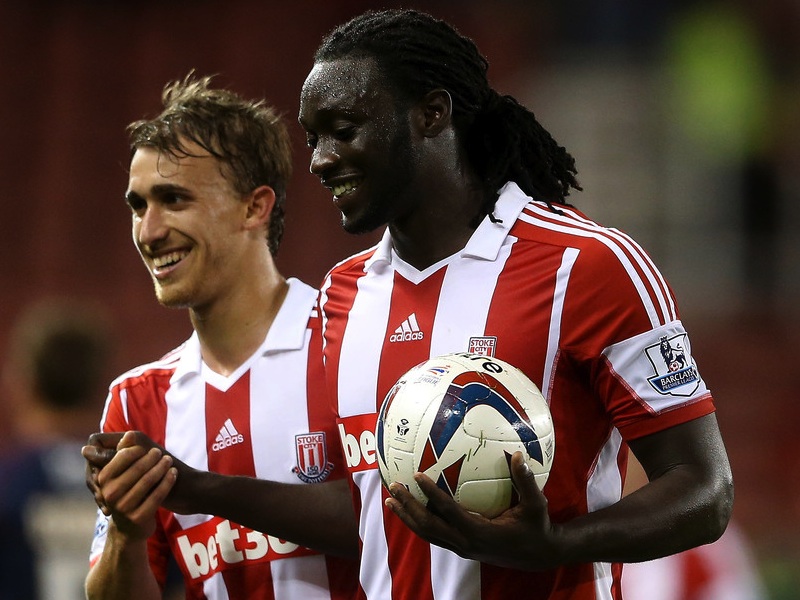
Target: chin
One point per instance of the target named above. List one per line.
(171, 299)
(366, 223)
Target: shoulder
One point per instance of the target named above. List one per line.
(355, 264)
(164, 367)
(606, 263)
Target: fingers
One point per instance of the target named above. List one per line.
(132, 467)
(128, 474)
(104, 440)
(436, 522)
(143, 498)
(97, 456)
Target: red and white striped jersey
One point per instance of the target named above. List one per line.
(269, 419)
(580, 308)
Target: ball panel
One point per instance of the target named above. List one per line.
(489, 497)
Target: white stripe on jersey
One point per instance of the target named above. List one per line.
(453, 576)
(465, 297)
(374, 575)
(266, 406)
(461, 301)
(361, 346)
(605, 488)
(299, 578)
(214, 587)
(185, 429)
(554, 334)
(614, 241)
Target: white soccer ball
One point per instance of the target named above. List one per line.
(459, 418)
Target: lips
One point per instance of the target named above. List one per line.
(165, 262)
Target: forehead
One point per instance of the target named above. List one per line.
(197, 168)
(343, 84)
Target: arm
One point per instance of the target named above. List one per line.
(132, 487)
(687, 503)
(319, 516)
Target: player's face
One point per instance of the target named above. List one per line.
(361, 142)
(186, 217)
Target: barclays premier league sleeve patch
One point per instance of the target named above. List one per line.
(658, 366)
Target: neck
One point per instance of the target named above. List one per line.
(441, 226)
(232, 330)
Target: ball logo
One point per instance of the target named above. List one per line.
(402, 427)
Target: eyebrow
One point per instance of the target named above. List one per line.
(160, 189)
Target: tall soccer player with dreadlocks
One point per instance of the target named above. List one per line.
(482, 248)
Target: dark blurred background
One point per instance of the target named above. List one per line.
(682, 116)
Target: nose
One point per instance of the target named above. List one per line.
(323, 158)
(150, 226)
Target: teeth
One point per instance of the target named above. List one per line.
(168, 259)
(338, 190)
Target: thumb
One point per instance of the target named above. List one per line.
(524, 481)
(128, 440)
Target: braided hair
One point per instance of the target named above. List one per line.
(502, 139)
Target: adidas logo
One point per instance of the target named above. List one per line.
(227, 436)
(408, 330)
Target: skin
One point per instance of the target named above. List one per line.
(345, 109)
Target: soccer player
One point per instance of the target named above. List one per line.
(243, 395)
(482, 252)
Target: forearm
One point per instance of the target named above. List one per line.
(687, 503)
(122, 572)
(659, 519)
(319, 516)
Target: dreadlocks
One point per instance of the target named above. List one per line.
(503, 140)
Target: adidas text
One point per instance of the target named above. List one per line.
(227, 442)
(406, 336)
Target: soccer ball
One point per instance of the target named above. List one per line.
(459, 418)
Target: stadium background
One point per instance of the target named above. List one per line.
(682, 117)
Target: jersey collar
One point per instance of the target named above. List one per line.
(287, 332)
(488, 238)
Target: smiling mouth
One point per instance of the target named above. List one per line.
(343, 188)
(166, 261)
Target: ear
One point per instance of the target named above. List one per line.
(259, 205)
(435, 112)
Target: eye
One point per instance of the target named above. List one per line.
(135, 203)
(345, 134)
(172, 198)
(311, 141)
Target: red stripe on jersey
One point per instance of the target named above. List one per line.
(407, 340)
(150, 417)
(412, 310)
(228, 434)
(230, 450)
(340, 304)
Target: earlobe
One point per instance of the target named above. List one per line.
(259, 206)
(437, 110)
